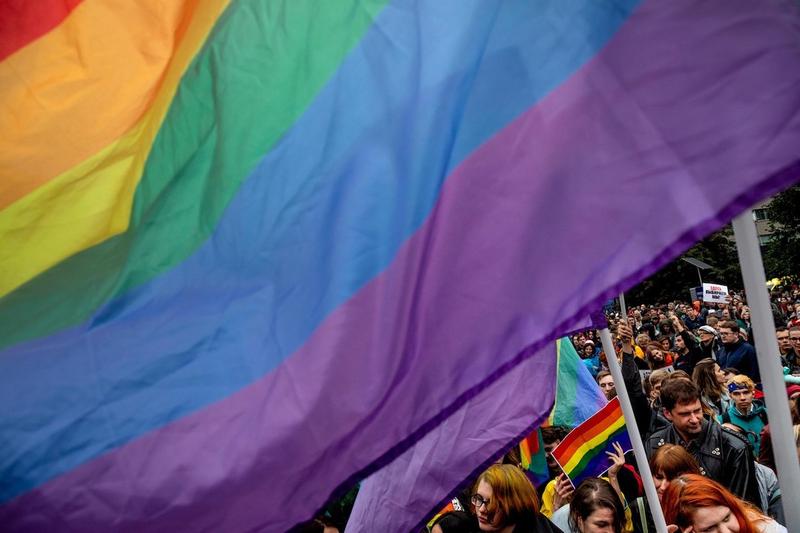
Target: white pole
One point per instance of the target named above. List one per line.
(633, 431)
(622, 307)
(780, 422)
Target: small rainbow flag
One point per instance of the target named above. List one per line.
(533, 457)
(582, 453)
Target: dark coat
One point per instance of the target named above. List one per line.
(722, 455)
(742, 357)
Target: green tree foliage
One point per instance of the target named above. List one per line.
(674, 280)
(782, 252)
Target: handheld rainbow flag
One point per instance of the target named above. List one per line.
(241, 239)
(533, 457)
(582, 453)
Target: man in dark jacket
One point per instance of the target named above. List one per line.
(736, 353)
(722, 455)
(693, 319)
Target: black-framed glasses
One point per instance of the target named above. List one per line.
(478, 501)
(794, 339)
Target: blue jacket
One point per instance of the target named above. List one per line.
(742, 357)
(694, 324)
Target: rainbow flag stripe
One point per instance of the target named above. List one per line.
(582, 453)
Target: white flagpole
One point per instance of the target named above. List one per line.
(622, 307)
(780, 422)
(633, 430)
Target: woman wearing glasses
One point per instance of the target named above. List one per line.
(505, 501)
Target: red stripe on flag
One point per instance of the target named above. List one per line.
(24, 21)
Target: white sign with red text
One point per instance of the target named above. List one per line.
(717, 294)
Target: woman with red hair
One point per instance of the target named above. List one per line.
(697, 504)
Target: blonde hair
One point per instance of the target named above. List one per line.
(740, 380)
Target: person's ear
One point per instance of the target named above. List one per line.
(667, 414)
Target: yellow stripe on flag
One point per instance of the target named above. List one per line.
(593, 443)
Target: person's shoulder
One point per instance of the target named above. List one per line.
(558, 523)
(770, 526)
(733, 439)
(658, 438)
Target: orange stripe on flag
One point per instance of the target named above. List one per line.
(81, 86)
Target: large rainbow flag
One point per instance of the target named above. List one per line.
(240, 240)
(582, 453)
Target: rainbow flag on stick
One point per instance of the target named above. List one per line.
(582, 453)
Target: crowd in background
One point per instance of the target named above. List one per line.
(693, 378)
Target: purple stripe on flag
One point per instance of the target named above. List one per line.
(683, 120)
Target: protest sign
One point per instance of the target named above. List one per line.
(715, 293)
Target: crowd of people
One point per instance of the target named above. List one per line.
(693, 379)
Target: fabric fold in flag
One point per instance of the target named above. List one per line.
(353, 221)
(406, 492)
(582, 453)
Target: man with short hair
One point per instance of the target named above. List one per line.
(784, 346)
(606, 382)
(722, 455)
(693, 319)
(736, 353)
(791, 358)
